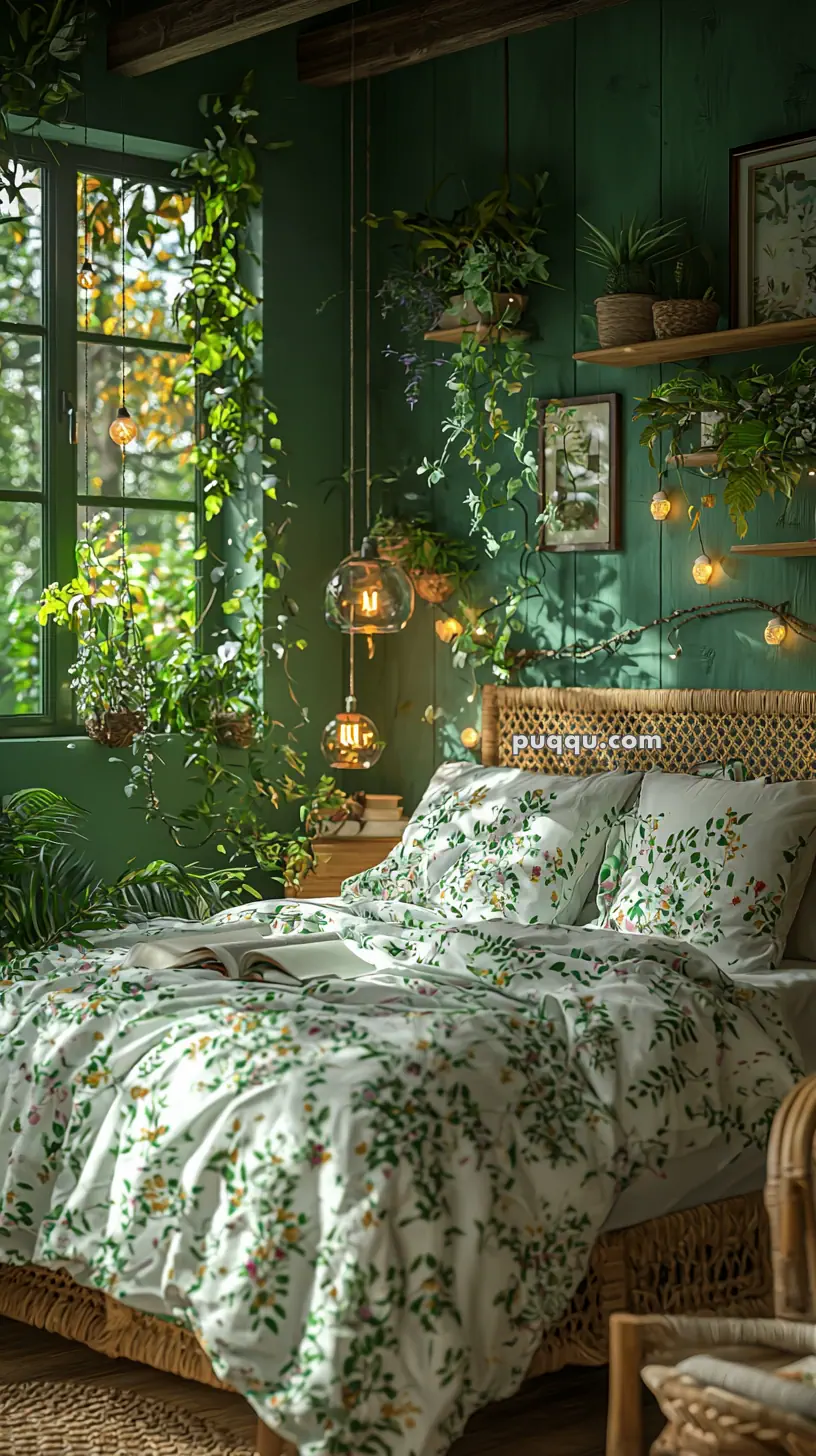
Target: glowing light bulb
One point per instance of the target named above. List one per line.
(87, 279)
(702, 570)
(370, 603)
(351, 740)
(709, 501)
(123, 430)
(469, 737)
(449, 629)
(775, 632)
(660, 505)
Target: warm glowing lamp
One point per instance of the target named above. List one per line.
(351, 740)
(702, 570)
(660, 505)
(775, 632)
(123, 430)
(449, 629)
(469, 737)
(369, 595)
(87, 278)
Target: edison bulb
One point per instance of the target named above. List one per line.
(87, 279)
(368, 594)
(702, 570)
(775, 632)
(123, 430)
(351, 740)
(660, 505)
(449, 629)
(469, 737)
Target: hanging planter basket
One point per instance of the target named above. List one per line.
(624, 318)
(115, 729)
(676, 317)
(433, 586)
(507, 308)
(234, 730)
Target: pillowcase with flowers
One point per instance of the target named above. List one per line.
(718, 863)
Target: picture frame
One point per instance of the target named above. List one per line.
(773, 217)
(579, 473)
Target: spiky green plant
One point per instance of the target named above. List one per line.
(49, 892)
(630, 255)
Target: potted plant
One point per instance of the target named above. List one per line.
(217, 693)
(692, 309)
(764, 434)
(629, 257)
(436, 563)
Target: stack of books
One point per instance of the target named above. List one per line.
(383, 817)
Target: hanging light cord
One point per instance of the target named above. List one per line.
(368, 312)
(507, 108)
(352, 422)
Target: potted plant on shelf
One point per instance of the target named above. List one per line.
(436, 563)
(692, 309)
(629, 258)
(764, 435)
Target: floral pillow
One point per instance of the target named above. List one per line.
(712, 861)
(501, 843)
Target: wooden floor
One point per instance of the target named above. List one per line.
(555, 1415)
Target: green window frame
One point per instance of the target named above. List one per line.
(61, 496)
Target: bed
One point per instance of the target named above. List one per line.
(711, 1256)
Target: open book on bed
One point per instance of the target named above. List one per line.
(238, 950)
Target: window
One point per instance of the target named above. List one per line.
(68, 356)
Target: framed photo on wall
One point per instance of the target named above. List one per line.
(773, 231)
(579, 473)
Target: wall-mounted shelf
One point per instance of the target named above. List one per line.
(482, 331)
(700, 346)
(696, 460)
(781, 548)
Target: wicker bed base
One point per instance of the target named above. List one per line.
(714, 1258)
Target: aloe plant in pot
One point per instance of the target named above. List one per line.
(629, 258)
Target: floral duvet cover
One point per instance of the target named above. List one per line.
(368, 1198)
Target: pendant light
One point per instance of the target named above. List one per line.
(123, 430)
(361, 590)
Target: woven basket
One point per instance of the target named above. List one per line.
(624, 318)
(38, 1418)
(115, 730)
(234, 730)
(705, 1421)
(433, 586)
(675, 317)
(460, 311)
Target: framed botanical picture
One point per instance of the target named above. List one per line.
(773, 231)
(579, 472)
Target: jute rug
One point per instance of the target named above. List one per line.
(41, 1418)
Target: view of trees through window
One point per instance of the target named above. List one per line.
(125, 344)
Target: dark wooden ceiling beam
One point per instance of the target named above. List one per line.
(181, 29)
(410, 33)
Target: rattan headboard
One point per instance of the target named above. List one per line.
(773, 733)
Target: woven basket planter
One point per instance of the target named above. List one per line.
(624, 318)
(460, 310)
(115, 730)
(234, 730)
(676, 317)
(433, 586)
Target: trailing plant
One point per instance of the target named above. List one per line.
(418, 548)
(630, 255)
(50, 893)
(39, 45)
(765, 436)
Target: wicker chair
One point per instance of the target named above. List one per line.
(708, 1420)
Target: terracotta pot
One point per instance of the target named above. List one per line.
(624, 318)
(675, 317)
(433, 586)
(506, 306)
(115, 729)
(234, 730)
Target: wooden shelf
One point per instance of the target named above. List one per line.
(700, 346)
(696, 460)
(482, 331)
(781, 548)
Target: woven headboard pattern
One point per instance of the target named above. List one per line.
(773, 733)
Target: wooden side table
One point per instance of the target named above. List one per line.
(337, 859)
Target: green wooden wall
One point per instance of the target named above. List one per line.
(633, 109)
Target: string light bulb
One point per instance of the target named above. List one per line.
(660, 505)
(775, 632)
(351, 740)
(702, 570)
(709, 501)
(469, 737)
(448, 630)
(369, 595)
(123, 431)
(87, 278)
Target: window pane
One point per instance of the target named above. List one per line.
(157, 464)
(21, 247)
(161, 569)
(158, 226)
(20, 587)
(20, 412)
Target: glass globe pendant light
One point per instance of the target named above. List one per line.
(351, 740)
(367, 594)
